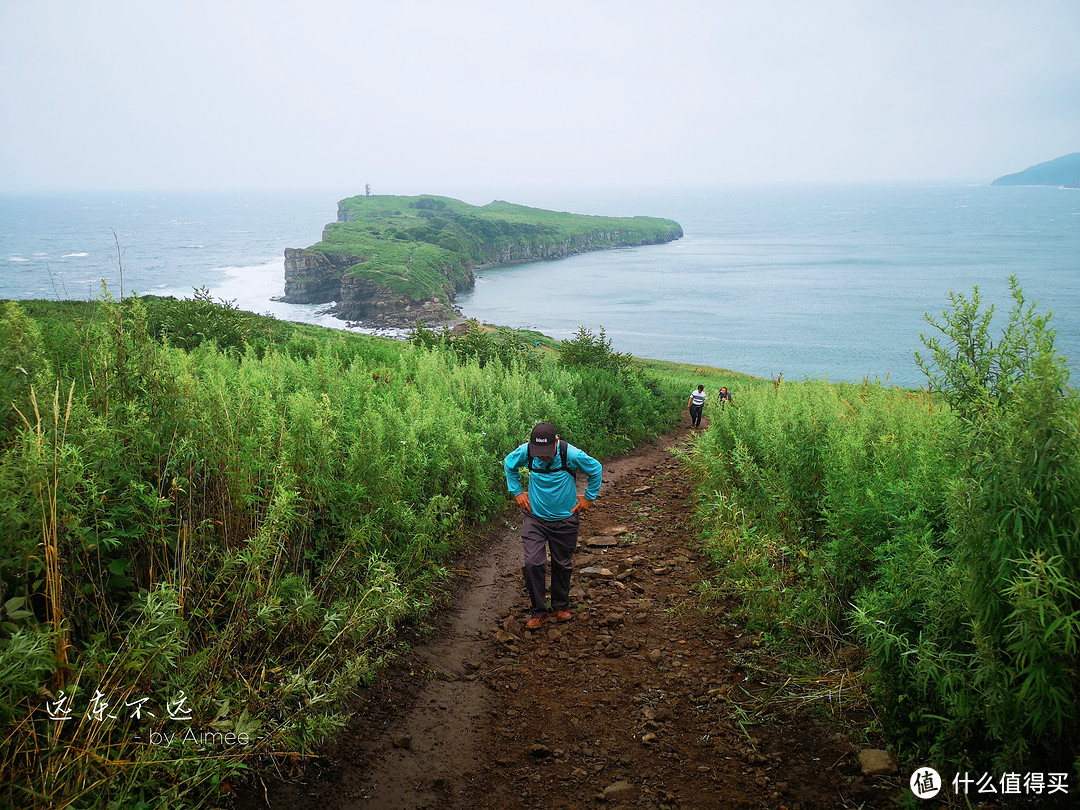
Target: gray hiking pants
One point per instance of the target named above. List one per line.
(539, 535)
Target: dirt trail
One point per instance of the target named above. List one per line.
(644, 699)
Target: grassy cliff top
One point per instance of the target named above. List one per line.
(423, 245)
(424, 215)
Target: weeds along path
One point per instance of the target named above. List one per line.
(650, 697)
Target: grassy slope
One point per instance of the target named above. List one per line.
(241, 510)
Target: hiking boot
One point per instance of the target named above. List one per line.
(535, 622)
(562, 615)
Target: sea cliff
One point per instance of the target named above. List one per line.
(397, 261)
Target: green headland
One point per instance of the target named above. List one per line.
(396, 260)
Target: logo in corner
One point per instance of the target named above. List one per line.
(925, 783)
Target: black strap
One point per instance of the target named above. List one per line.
(562, 454)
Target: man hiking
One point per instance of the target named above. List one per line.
(551, 506)
(697, 405)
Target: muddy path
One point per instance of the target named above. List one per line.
(651, 696)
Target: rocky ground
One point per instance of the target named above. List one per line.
(651, 696)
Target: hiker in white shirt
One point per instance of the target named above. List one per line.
(697, 405)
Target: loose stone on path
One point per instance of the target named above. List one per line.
(601, 541)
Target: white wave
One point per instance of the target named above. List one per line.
(253, 288)
(74, 255)
(17, 259)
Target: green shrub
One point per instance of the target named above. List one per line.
(1002, 680)
(191, 321)
(587, 350)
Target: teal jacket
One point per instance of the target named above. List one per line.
(553, 496)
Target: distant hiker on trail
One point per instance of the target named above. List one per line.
(697, 405)
(551, 508)
(725, 398)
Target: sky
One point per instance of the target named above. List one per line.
(423, 95)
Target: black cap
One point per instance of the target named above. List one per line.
(543, 441)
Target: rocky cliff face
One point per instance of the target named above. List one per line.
(363, 300)
(318, 278)
(314, 278)
(599, 240)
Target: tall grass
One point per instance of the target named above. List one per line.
(235, 525)
(807, 487)
(941, 529)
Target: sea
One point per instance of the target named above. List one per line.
(808, 282)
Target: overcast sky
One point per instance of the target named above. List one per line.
(424, 95)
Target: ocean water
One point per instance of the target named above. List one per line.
(61, 246)
(810, 282)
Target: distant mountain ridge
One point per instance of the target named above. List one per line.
(1063, 171)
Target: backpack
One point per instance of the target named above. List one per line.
(562, 455)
